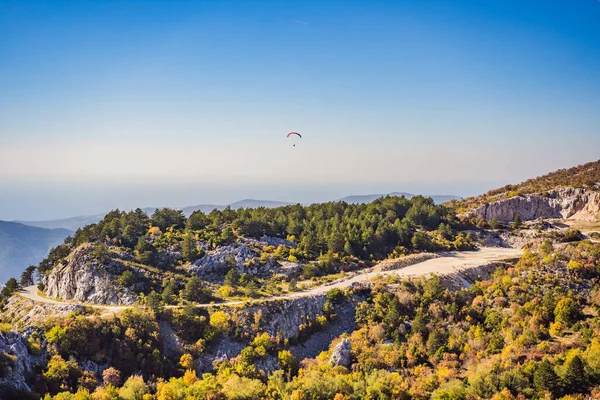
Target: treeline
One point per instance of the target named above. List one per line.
(366, 231)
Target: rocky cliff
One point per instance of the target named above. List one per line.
(84, 278)
(569, 203)
(279, 317)
(17, 362)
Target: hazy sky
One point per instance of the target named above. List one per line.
(150, 103)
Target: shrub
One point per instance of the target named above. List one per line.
(220, 321)
(111, 376)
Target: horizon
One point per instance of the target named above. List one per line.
(225, 204)
(137, 104)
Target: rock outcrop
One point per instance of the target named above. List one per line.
(21, 312)
(341, 354)
(246, 259)
(466, 277)
(558, 203)
(569, 203)
(13, 347)
(278, 317)
(83, 278)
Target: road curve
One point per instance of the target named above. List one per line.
(446, 264)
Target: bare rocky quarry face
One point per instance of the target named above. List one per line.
(565, 203)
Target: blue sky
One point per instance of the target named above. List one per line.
(146, 103)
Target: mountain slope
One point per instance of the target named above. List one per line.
(22, 245)
(585, 176)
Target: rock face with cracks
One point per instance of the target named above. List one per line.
(83, 278)
(13, 345)
(245, 258)
(571, 203)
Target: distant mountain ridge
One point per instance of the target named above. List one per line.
(75, 223)
(22, 245)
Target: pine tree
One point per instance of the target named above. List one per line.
(575, 379)
(188, 247)
(27, 276)
(335, 244)
(232, 278)
(348, 250)
(544, 378)
(169, 292)
(517, 222)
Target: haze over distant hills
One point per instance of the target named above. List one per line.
(74, 223)
(23, 245)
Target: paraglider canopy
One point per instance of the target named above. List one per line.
(292, 134)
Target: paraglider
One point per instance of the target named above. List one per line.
(292, 134)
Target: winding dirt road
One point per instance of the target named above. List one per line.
(446, 264)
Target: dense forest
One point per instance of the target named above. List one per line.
(322, 238)
(529, 332)
(366, 230)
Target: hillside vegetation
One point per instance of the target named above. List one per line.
(586, 176)
(529, 332)
(247, 248)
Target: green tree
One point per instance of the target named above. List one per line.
(348, 250)
(230, 261)
(227, 236)
(545, 379)
(144, 252)
(101, 253)
(546, 247)
(517, 222)
(134, 388)
(195, 291)
(445, 231)
(62, 374)
(9, 288)
(575, 378)
(335, 244)
(169, 293)
(308, 245)
(127, 278)
(197, 221)
(566, 311)
(27, 276)
(422, 241)
(251, 288)
(188, 247)
(168, 218)
(232, 277)
(153, 301)
(451, 390)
